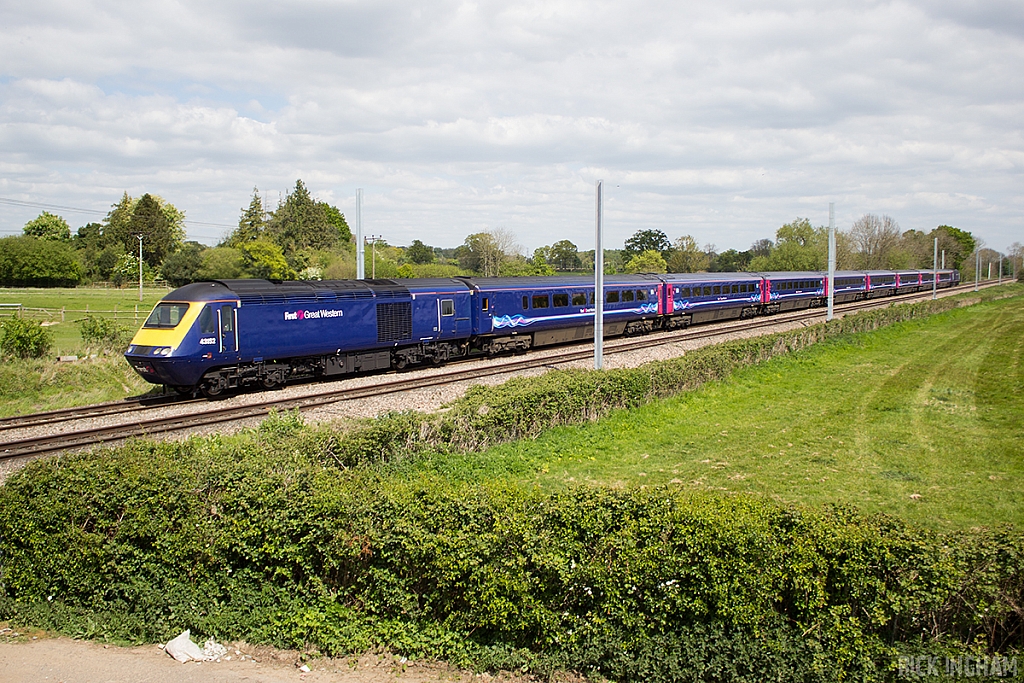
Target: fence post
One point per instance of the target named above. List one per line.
(62, 314)
(136, 313)
(115, 312)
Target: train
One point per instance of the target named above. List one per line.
(221, 335)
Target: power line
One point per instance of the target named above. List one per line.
(95, 212)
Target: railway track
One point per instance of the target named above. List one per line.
(35, 446)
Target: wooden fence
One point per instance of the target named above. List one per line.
(63, 314)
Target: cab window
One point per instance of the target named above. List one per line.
(166, 316)
(207, 325)
(227, 318)
(447, 307)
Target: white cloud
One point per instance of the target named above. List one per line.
(722, 120)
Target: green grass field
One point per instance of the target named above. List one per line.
(922, 420)
(43, 384)
(67, 338)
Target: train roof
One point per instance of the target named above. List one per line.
(545, 281)
(710, 277)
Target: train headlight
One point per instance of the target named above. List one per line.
(162, 351)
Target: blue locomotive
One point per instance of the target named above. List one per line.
(220, 335)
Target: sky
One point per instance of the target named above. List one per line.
(719, 120)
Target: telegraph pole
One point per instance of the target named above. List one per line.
(599, 281)
(977, 268)
(140, 236)
(831, 257)
(935, 271)
(360, 250)
(373, 239)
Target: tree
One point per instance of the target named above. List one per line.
(876, 242)
(32, 262)
(47, 226)
(731, 261)
(564, 255)
(687, 257)
(646, 240)
(1016, 254)
(264, 259)
(649, 261)
(251, 224)
(419, 253)
(762, 247)
(164, 234)
(958, 244)
(485, 252)
(158, 239)
(798, 246)
(337, 219)
(183, 266)
(300, 222)
(126, 270)
(221, 263)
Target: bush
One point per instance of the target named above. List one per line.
(105, 332)
(33, 262)
(25, 339)
(262, 538)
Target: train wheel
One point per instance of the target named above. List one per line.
(269, 382)
(401, 363)
(212, 389)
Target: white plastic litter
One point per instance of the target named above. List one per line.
(214, 650)
(304, 669)
(183, 649)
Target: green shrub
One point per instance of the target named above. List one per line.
(25, 339)
(105, 332)
(262, 538)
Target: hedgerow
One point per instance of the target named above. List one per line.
(265, 539)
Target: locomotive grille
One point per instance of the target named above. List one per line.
(394, 321)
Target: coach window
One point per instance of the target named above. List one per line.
(579, 299)
(611, 297)
(641, 295)
(483, 306)
(627, 295)
(526, 302)
(447, 307)
(560, 299)
(717, 290)
(206, 322)
(591, 298)
(540, 301)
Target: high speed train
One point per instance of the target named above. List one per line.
(220, 335)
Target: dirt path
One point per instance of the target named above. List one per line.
(62, 660)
